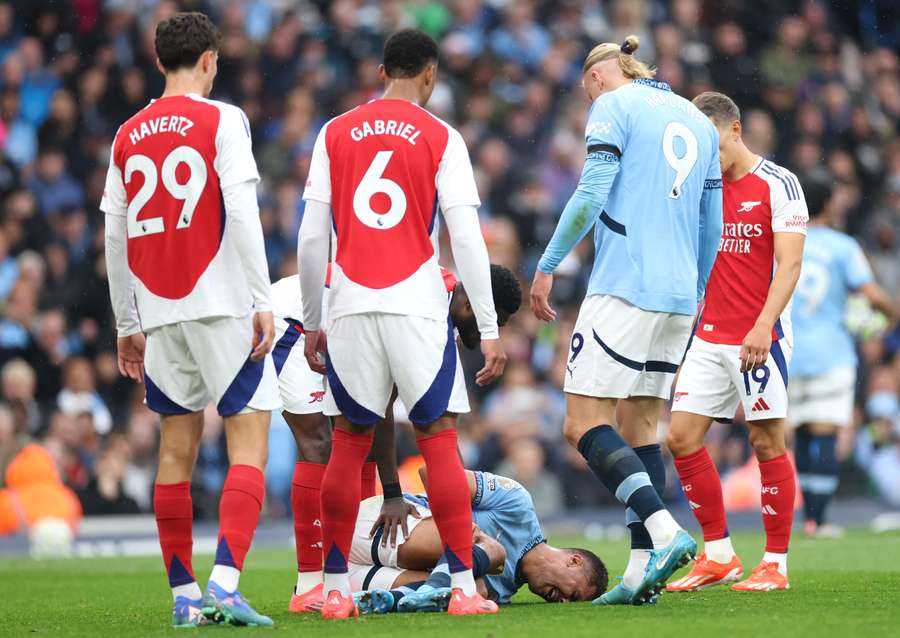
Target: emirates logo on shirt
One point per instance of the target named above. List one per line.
(736, 237)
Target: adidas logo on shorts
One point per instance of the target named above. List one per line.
(760, 405)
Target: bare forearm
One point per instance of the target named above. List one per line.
(385, 451)
(880, 300)
(780, 291)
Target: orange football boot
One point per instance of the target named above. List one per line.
(309, 602)
(337, 607)
(462, 605)
(708, 573)
(765, 577)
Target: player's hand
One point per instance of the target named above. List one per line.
(393, 515)
(755, 348)
(540, 296)
(263, 335)
(131, 356)
(494, 361)
(311, 351)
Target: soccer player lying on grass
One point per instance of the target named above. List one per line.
(509, 551)
(306, 409)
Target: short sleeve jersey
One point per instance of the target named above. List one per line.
(386, 167)
(765, 201)
(834, 266)
(169, 164)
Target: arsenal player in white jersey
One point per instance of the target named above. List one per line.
(378, 176)
(740, 355)
(187, 268)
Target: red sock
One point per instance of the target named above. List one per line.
(369, 471)
(340, 496)
(239, 507)
(703, 490)
(306, 503)
(778, 492)
(448, 497)
(174, 519)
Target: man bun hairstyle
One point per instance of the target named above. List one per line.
(506, 288)
(409, 52)
(183, 37)
(623, 53)
(720, 108)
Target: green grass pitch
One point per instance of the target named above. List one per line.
(842, 588)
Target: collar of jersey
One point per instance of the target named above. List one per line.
(530, 545)
(654, 84)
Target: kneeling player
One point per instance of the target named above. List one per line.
(502, 510)
(307, 408)
(746, 319)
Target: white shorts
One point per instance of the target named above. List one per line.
(711, 383)
(367, 577)
(619, 350)
(302, 390)
(826, 398)
(369, 551)
(191, 363)
(370, 353)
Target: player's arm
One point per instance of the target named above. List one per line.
(238, 177)
(879, 299)
(788, 256)
(130, 340)
(313, 243)
(394, 509)
(710, 231)
(458, 197)
(597, 176)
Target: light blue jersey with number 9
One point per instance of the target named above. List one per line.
(833, 266)
(649, 240)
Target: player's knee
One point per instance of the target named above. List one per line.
(312, 433)
(180, 457)
(573, 430)
(682, 441)
(766, 445)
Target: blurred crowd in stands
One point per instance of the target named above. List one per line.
(820, 92)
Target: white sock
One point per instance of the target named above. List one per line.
(337, 582)
(637, 562)
(781, 559)
(719, 551)
(191, 590)
(661, 527)
(225, 577)
(464, 581)
(307, 581)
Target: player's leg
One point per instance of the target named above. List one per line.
(825, 406)
(423, 361)
(360, 383)
(172, 505)
(175, 390)
(638, 418)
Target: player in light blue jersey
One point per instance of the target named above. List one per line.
(651, 189)
(823, 369)
(504, 518)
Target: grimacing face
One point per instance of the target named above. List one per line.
(565, 580)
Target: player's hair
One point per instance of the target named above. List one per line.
(595, 568)
(720, 108)
(507, 291)
(183, 37)
(408, 52)
(817, 193)
(624, 54)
